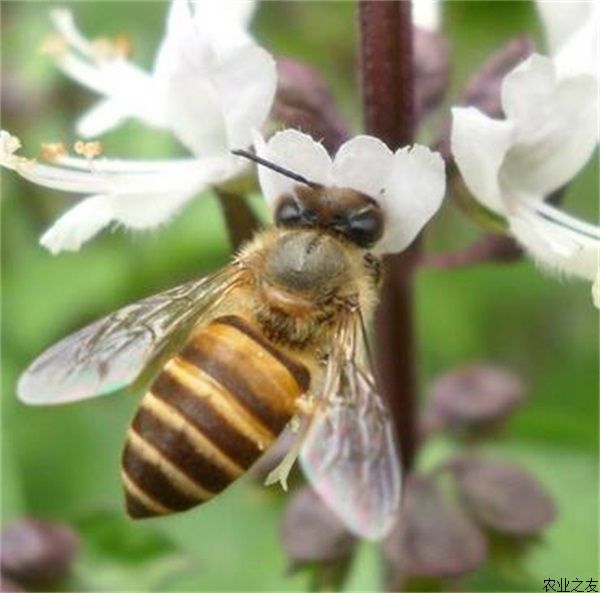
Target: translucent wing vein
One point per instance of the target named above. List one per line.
(349, 454)
(112, 352)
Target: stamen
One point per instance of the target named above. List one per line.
(105, 49)
(9, 145)
(54, 45)
(568, 222)
(123, 45)
(53, 151)
(88, 150)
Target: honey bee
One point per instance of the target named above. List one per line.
(276, 338)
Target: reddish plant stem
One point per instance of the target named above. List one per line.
(241, 222)
(387, 77)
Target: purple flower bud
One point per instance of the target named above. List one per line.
(9, 586)
(310, 532)
(303, 101)
(503, 497)
(473, 400)
(37, 551)
(432, 69)
(434, 537)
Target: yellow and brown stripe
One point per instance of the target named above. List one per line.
(207, 417)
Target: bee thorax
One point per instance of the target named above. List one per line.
(307, 263)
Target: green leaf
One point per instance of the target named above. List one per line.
(120, 555)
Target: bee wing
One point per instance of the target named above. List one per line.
(114, 351)
(349, 454)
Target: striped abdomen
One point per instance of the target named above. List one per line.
(211, 412)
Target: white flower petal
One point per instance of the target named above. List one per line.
(195, 112)
(533, 80)
(556, 124)
(572, 29)
(363, 163)
(184, 67)
(112, 76)
(9, 145)
(78, 225)
(580, 54)
(145, 211)
(550, 212)
(93, 214)
(558, 247)
(109, 178)
(105, 115)
(213, 96)
(118, 79)
(426, 14)
(296, 152)
(64, 23)
(225, 23)
(479, 146)
(136, 166)
(413, 193)
(139, 194)
(271, 184)
(246, 81)
(211, 84)
(562, 19)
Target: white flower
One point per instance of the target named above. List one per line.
(211, 86)
(205, 53)
(426, 14)
(573, 32)
(409, 184)
(137, 194)
(512, 165)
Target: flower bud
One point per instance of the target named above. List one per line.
(37, 551)
(303, 101)
(474, 400)
(432, 69)
(502, 496)
(9, 586)
(434, 537)
(310, 532)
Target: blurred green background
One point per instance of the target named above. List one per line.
(62, 463)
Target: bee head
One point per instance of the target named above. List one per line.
(345, 212)
(341, 211)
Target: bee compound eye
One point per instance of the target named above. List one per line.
(288, 212)
(365, 228)
(293, 213)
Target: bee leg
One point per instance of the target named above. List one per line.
(300, 425)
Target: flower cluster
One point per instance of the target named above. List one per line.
(213, 87)
(215, 90)
(512, 166)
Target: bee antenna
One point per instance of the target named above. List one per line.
(255, 158)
